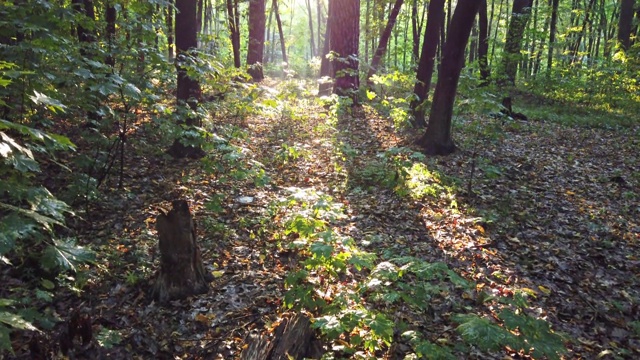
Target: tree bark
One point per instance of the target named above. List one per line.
(312, 43)
(233, 18)
(188, 92)
(435, 21)
(384, 40)
(293, 339)
(483, 44)
(255, 48)
(625, 24)
(326, 70)
(169, 23)
(437, 139)
(283, 46)
(345, 37)
(552, 34)
(181, 271)
(520, 14)
(110, 17)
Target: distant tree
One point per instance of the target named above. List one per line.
(110, 17)
(168, 18)
(233, 18)
(625, 23)
(552, 33)
(255, 47)
(437, 139)
(283, 46)
(384, 39)
(188, 92)
(345, 37)
(326, 70)
(435, 21)
(483, 43)
(520, 14)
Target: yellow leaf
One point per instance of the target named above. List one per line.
(218, 273)
(569, 192)
(544, 290)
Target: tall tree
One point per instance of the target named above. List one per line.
(169, 23)
(312, 41)
(552, 33)
(483, 43)
(384, 39)
(625, 24)
(189, 92)
(435, 21)
(437, 139)
(283, 46)
(520, 14)
(345, 37)
(326, 70)
(233, 18)
(255, 47)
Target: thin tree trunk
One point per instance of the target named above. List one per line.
(520, 16)
(169, 23)
(435, 20)
(312, 37)
(384, 40)
(552, 34)
(437, 139)
(326, 70)
(283, 46)
(234, 30)
(483, 43)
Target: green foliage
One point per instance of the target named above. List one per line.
(407, 173)
(392, 97)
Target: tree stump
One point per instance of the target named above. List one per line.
(181, 270)
(292, 339)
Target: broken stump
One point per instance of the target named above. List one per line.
(181, 271)
(293, 339)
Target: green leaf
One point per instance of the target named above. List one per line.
(108, 338)
(66, 254)
(382, 326)
(483, 333)
(330, 325)
(12, 228)
(52, 104)
(16, 321)
(44, 220)
(5, 340)
(321, 250)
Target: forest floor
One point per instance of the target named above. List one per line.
(535, 207)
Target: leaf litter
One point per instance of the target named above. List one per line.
(552, 211)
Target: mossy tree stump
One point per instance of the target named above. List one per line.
(181, 270)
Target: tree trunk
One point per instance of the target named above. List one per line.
(255, 50)
(169, 23)
(437, 139)
(435, 20)
(234, 30)
(520, 15)
(625, 23)
(189, 92)
(384, 40)
(312, 43)
(345, 37)
(326, 70)
(181, 270)
(552, 34)
(283, 46)
(483, 43)
(110, 17)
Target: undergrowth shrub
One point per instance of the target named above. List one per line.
(354, 295)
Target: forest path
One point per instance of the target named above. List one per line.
(553, 213)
